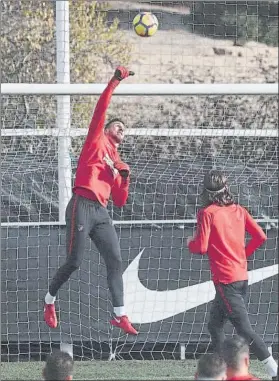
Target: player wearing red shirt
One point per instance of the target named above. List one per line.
(221, 229)
(100, 174)
(242, 378)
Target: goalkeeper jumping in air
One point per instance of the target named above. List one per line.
(222, 225)
(100, 174)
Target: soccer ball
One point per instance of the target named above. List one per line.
(145, 24)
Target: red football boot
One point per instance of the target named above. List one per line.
(124, 323)
(50, 315)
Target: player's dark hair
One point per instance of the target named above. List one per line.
(233, 349)
(210, 366)
(59, 366)
(216, 190)
(111, 121)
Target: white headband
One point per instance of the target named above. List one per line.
(217, 191)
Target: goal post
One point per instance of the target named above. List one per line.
(63, 115)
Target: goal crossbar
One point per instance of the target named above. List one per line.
(265, 220)
(141, 89)
(202, 132)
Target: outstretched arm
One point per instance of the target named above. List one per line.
(96, 126)
(199, 244)
(97, 122)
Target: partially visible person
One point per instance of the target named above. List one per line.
(59, 366)
(222, 225)
(237, 357)
(211, 367)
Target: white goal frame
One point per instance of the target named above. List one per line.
(64, 132)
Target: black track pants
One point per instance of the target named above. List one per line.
(88, 218)
(229, 304)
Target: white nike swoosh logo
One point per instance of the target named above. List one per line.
(148, 306)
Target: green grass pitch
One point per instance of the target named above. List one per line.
(117, 370)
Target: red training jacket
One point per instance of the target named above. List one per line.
(243, 378)
(221, 234)
(96, 177)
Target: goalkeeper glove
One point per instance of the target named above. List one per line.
(123, 169)
(121, 73)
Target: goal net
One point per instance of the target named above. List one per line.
(171, 142)
(160, 275)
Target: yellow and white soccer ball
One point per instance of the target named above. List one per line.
(145, 24)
